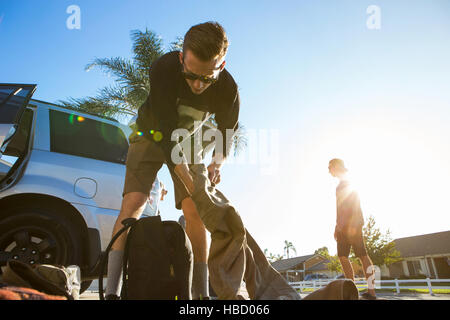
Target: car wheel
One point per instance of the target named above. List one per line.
(39, 236)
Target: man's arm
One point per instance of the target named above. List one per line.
(226, 119)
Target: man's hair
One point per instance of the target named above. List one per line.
(206, 41)
(339, 163)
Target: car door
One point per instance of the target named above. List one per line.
(14, 99)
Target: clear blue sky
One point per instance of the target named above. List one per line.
(311, 71)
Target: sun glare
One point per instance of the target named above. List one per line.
(399, 169)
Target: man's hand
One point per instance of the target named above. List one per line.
(182, 171)
(214, 172)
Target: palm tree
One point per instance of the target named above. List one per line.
(272, 257)
(123, 99)
(132, 79)
(288, 246)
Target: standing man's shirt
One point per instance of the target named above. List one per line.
(349, 213)
(172, 105)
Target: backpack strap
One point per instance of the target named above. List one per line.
(128, 223)
(124, 291)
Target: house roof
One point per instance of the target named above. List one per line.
(426, 244)
(321, 266)
(288, 264)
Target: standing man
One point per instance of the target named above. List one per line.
(349, 223)
(186, 89)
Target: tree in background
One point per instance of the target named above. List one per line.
(288, 246)
(132, 84)
(272, 257)
(380, 247)
(334, 265)
(323, 252)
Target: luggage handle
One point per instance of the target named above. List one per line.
(128, 223)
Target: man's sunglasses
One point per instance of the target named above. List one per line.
(192, 76)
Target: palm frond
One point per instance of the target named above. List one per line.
(126, 72)
(147, 47)
(130, 98)
(177, 45)
(240, 140)
(97, 105)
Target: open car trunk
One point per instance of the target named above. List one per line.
(15, 131)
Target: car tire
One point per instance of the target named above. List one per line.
(39, 236)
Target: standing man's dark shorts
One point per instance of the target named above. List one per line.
(144, 160)
(347, 240)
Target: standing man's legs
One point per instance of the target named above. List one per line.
(343, 251)
(369, 272)
(347, 268)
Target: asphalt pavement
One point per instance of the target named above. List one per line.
(92, 294)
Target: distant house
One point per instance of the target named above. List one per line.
(425, 255)
(321, 268)
(295, 269)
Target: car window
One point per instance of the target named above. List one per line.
(12, 98)
(19, 142)
(15, 152)
(76, 135)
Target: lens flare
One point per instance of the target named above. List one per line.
(73, 118)
(157, 136)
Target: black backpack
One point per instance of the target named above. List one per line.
(157, 261)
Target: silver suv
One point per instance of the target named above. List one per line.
(61, 181)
